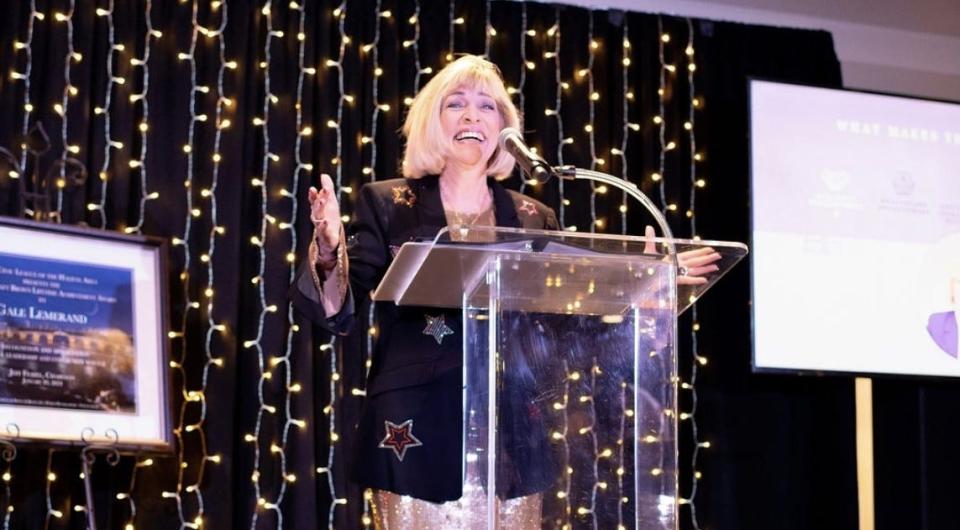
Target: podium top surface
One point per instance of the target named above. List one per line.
(437, 273)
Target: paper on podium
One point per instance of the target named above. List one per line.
(437, 273)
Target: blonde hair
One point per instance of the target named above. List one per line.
(427, 147)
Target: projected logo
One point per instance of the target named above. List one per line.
(903, 183)
(836, 180)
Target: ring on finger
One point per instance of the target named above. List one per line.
(683, 271)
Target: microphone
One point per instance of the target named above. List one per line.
(535, 167)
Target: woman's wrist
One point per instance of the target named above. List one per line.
(326, 256)
(330, 278)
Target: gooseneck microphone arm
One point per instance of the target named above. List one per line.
(631, 189)
(511, 141)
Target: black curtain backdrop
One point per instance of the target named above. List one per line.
(781, 449)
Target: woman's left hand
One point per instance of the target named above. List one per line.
(695, 264)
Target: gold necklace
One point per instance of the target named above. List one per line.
(464, 220)
(463, 223)
(460, 218)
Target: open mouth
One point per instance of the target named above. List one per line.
(466, 136)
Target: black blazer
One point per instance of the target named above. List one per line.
(413, 376)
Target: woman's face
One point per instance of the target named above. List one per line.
(471, 121)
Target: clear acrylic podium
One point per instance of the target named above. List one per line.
(570, 386)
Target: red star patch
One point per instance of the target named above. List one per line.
(399, 438)
(527, 207)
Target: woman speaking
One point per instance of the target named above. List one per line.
(409, 448)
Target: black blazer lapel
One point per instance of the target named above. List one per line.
(503, 205)
(430, 215)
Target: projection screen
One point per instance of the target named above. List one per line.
(855, 208)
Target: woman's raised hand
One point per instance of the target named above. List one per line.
(325, 215)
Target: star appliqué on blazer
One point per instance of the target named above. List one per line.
(403, 195)
(437, 328)
(527, 208)
(399, 438)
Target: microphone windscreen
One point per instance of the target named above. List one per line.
(508, 132)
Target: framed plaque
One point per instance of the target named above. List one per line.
(83, 337)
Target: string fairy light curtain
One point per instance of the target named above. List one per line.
(204, 122)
